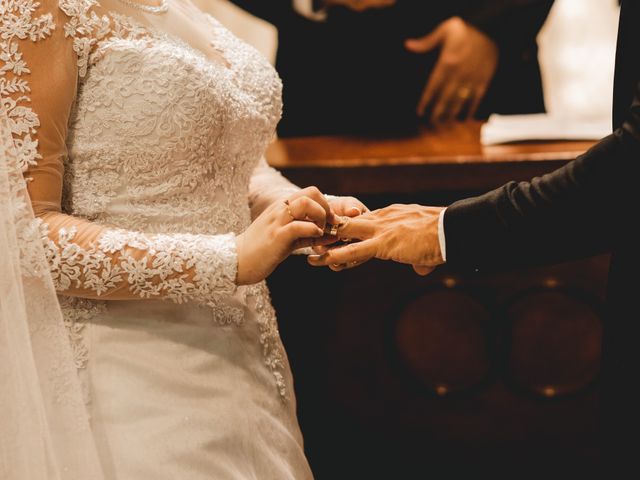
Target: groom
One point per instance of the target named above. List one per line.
(589, 206)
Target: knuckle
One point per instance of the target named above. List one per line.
(313, 190)
(305, 201)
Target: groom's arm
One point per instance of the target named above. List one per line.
(576, 211)
(273, 11)
(277, 12)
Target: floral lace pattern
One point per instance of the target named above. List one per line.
(160, 271)
(173, 192)
(272, 350)
(19, 22)
(87, 29)
(47, 345)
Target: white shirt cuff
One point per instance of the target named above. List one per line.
(305, 8)
(441, 237)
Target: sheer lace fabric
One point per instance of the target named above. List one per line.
(44, 427)
(141, 137)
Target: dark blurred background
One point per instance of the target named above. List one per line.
(400, 376)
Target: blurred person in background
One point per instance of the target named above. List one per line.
(383, 66)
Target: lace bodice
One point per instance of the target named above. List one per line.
(158, 141)
(193, 131)
(141, 137)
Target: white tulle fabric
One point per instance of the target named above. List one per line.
(141, 137)
(44, 426)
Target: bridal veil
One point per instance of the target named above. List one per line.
(44, 426)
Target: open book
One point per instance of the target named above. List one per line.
(541, 126)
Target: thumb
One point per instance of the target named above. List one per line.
(426, 43)
(423, 270)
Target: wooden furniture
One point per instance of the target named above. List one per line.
(396, 372)
(447, 159)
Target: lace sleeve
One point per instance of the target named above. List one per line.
(267, 186)
(40, 59)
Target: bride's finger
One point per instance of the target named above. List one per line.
(348, 206)
(316, 195)
(304, 208)
(323, 244)
(354, 252)
(297, 230)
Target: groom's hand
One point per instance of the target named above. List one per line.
(402, 233)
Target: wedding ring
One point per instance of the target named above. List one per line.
(464, 93)
(286, 202)
(330, 229)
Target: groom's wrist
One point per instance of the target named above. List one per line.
(441, 236)
(311, 9)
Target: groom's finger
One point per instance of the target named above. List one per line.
(423, 270)
(359, 228)
(346, 255)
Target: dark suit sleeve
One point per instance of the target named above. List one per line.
(507, 21)
(576, 211)
(273, 11)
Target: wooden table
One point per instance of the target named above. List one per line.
(395, 371)
(450, 158)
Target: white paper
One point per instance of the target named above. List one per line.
(541, 126)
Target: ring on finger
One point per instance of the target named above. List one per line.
(286, 202)
(464, 93)
(330, 229)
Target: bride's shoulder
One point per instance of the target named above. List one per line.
(33, 8)
(34, 18)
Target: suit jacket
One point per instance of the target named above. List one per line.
(589, 206)
(352, 74)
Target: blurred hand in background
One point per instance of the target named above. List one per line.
(360, 5)
(465, 67)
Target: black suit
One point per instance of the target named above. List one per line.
(587, 207)
(352, 73)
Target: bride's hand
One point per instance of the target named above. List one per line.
(284, 226)
(347, 206)
(341, 207)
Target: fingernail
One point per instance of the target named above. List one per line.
(355, 210)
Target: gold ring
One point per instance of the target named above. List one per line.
(464, 93)
(330, 229)
(286, 202)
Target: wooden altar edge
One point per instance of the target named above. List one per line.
(447, 159)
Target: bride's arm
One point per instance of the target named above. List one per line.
(267, 186)
(38, 85)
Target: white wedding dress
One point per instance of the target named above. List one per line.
(142, 135)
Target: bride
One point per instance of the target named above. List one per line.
(139, 126)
